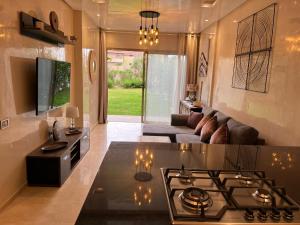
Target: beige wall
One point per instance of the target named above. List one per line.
(129, 40)
(17, 73)
(90, 42)
(86, 92)
(275, 114)
(207, 42)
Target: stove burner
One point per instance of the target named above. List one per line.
(262, 195)
(196, 199)
(245, 180)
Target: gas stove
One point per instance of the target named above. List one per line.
(197, 196)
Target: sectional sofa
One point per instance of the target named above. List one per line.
(179, 132)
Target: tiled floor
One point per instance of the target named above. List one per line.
(122, 118)
(61, 206)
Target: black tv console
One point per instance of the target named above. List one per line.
(54, 167)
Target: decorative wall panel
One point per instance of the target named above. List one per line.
(253, 51)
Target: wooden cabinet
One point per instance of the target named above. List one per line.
(53, 168)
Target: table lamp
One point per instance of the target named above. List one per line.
(72, 112)
(192, 90)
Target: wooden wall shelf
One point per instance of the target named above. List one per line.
(28, 28)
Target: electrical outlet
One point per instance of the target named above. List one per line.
(4, 123)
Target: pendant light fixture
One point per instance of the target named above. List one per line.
(149, 34)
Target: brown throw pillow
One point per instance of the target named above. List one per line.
(201, 124)
(194, 119)
(208, 129)
(221, 135)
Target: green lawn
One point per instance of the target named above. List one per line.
(123, 101)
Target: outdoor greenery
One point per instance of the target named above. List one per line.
(128, 78)
(61, 97)
(123, 101)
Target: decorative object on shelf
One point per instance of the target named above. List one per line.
(253, 50)
(149, 33)
(39, 25)
(142, 195)
(143, 164)
(192, 90)
(54, 130)
(72, 112)
(37, 29)
(92, 66)
(53, 20)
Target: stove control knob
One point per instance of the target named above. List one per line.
(288, 215)
(249, 215)
(262, 215)
(275, 214)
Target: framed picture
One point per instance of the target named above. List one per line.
(203, 56)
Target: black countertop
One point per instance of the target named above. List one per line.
(115, 195)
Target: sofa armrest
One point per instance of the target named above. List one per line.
(179, 119)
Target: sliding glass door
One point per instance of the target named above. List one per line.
(164, 88)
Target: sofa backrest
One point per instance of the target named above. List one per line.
(241, 134)
(208, 110)
(221, 118)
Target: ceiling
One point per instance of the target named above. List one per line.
(177, 16)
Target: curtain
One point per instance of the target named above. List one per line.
(103, 80)
(192, 58)
(161, 87)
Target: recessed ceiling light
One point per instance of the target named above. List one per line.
(98, 1)
(234, 21)
(98, 14)
(205, 20)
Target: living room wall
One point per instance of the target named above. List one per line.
(274, 114)
(17, 72)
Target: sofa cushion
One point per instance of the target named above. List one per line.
(221, 118)
(241, 134)
(208, 129)
(220, 136)
(166, 130)
(187, 138)
(193, 119)
(201, 124)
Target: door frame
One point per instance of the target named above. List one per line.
(145, 65)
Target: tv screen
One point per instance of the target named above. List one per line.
(53, 84)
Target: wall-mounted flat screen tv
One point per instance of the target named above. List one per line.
(53, 84)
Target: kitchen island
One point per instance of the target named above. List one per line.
(116, 197)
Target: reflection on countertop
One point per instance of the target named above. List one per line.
(122, 198)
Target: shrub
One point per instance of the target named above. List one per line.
(110, 83)
(132, 83)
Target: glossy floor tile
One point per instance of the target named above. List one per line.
(61, 206)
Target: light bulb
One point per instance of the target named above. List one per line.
(156, 31)
(140, 42)
(151, 42)
(145, 31)
(152, 29)
(145, 39)
(156, 40)
(141, 30)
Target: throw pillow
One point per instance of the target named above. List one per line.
(220, 136)
(208, 129)
(201, 124)
(194, 119)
